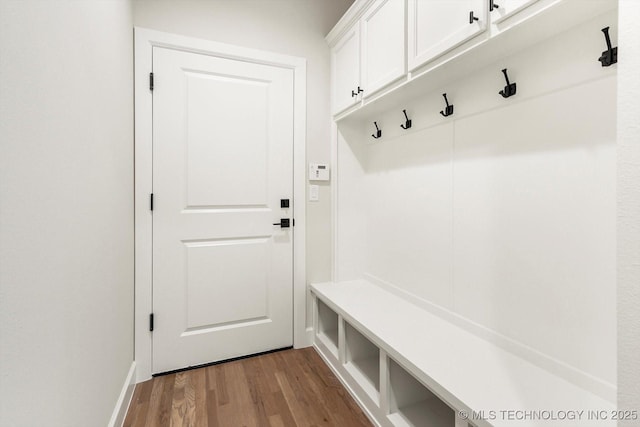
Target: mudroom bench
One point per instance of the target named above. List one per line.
(406, 366)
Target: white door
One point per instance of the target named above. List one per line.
(345, 63)
(437, 26)
(383, 45)
(222, 162)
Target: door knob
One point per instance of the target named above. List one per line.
(284, 223)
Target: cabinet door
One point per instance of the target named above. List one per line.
(437, 26)
(506, 8)
(345, 62)
(383, 44)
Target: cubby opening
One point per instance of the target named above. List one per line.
(411, 404)
(362, 360)
(328, 327)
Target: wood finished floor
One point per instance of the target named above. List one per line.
(283, 389)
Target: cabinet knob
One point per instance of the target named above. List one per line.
(472, 18)
(492, 6)
(360, 90)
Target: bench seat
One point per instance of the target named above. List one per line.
(472, 376)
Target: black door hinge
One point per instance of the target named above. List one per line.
(151, 322)
(151, 201)
(150, 81)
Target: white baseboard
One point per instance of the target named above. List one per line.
(309, 336)
(306, 339)
(122, 405)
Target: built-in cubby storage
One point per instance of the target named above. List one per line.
(327, 327)
(407, 367)
(444, 312)
(362, 361)
(411, 404)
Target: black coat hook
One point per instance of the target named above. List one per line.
(492, 6)
(448, 109)
(407, 122)
(510, 88)
(609, 56)
(472, 17)
(378, 133)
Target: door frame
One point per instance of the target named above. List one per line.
(145, 41)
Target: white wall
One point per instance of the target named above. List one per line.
(292, 27)
(629, 209)
(504, 214)
(66, 210)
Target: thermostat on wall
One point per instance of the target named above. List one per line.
(318, 172)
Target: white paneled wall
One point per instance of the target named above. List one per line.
(534, 224)
(504, 213)
(410, 213)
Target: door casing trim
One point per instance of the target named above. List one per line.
(145, 41)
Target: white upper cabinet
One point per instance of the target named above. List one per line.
(370, 55)
(345, 69)
(383, 44)
(379, 45)
(437, 26)
(503, 9)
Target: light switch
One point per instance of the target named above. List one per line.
(314, 193)
(318, 172)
